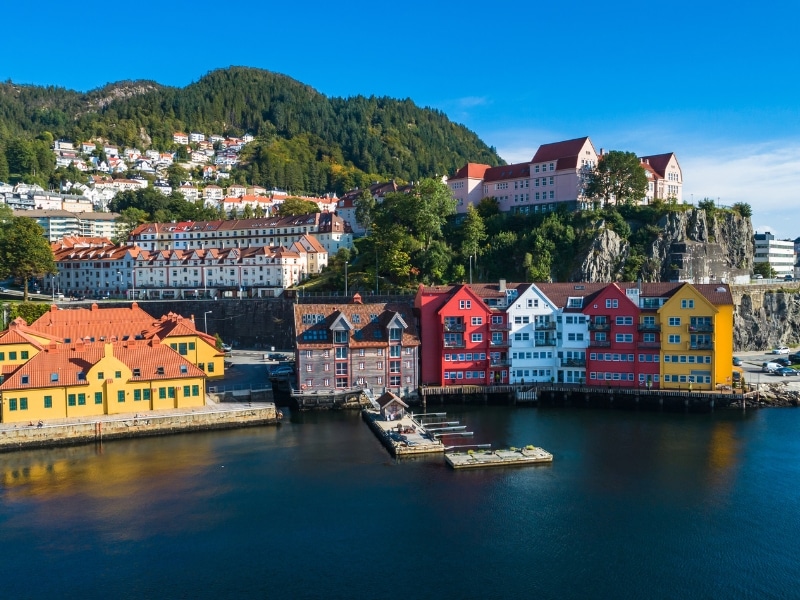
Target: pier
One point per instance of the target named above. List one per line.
(404, 436)
(529, 455)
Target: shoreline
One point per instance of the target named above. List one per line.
(132, 425)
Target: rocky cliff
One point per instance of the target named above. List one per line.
(691, 246)
(766, 316)
(703, 248)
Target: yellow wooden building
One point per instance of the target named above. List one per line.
(88, 379)
(86, 362)
(696, 324)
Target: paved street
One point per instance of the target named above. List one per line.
(751, 363)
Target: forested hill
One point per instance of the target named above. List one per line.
(306, 141)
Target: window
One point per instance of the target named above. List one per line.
(146, 394)
(687, 303)
(624, 337)
(477, 320)
(674, 339)
(98, 397)
(465, 304)
(121, 396)
(137, 395)
(101, 375)
(211, 367)
(12, 356)
(395, 333)
(162, 393)
(339, 337)
(187, 391)
(674, 321)
(341, 353)
(477, 337)
(23, 404)
(649, 338)
(71, 400)
(81, 399)
(612, 303)
(171, 392)
(624, 321)
(24, 356)
(24, 379)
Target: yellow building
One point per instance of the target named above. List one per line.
(118, 379)
(87, 379)
(696, 326)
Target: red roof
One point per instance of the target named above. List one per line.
(658, 162)
(565, 153)
(471, 171)
(507, 172)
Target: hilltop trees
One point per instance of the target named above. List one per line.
(618, 177)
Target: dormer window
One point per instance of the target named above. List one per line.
(339, 337)
(24, 380)
(53, 376)
(395, 333)
(159, 370)
(137, 372)
(184, 369)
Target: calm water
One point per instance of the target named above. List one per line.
(636, 505)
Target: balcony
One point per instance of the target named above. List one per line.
(545, 325)
(454, 326)
(599, 326)
(649, 327)
(454, 344)
(545, 342)
(500, 362)
(701, 346)
(499, 326)
(649, 344)
(701, 328)
(573, 362)
(599, 344)
(499, 343)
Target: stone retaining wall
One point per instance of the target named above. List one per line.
(148, 425)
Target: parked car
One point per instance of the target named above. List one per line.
(769, 367)
(737, 362)
(281, 371)
(795, 358)
(780, 350)
(788, 278)
(785, 372)
(758, 276)
(276, 356)
(784, 362)
(226, 347)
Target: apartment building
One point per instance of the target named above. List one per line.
(779, 254)
(352, 345)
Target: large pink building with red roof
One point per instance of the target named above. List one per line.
(556, 175)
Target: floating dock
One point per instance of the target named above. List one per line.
(404, 436)
(530, 455)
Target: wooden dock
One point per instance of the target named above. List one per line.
(402, 437)
(530, 455)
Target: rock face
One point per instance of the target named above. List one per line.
(764, 317)
(693, 249)
(604, 259)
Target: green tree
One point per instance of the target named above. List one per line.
(365, 206)
(619, 177)
(129, 219)
(297, 206)
(4, 172)
(764, 269)
(24, 252)
(743, 208)
(247, 212)
(473, 233)
(175, 175)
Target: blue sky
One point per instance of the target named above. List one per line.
(714, 82)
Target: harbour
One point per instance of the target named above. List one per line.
(227, 510)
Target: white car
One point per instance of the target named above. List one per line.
(780, 350)
(225, 347)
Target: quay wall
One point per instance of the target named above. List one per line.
(64, 434)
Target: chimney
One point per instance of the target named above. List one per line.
(503, 285)
(357, 298)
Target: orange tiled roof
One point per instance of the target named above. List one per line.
(71, 363)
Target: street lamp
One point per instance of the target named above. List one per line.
(205, 320)
(345, 279)
(53, 286)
